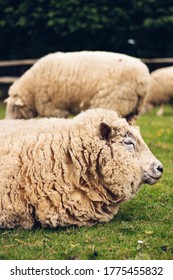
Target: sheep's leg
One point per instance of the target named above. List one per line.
(59, 113)
(160, 111)
(16, 213)
(15, 220)
(49, 110)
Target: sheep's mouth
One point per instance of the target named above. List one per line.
(149, 179)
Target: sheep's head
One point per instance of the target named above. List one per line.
(125, 161)
(16, 107)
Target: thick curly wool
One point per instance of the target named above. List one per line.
(60, 84)
(62, 172)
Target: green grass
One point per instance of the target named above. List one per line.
(2, 110)
(147, 217)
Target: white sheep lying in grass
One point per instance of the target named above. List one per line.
(61, 172)
(161, 91)
(61, 84)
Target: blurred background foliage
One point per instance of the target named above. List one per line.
(31, 29)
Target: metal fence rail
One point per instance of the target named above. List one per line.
(157, 60)
(21, 62)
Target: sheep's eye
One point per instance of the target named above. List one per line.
(129, 143)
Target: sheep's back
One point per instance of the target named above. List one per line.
(76, 77)
(164, 78)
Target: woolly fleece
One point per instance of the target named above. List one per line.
(60, 84)
(61, 172)
(161, 91)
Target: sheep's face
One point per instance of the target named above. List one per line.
(16, 109)
(125, 161)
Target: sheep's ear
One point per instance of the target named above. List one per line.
(19, 103)
(6, 100)
(105, 131)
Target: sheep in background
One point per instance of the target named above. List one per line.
(161, 91)
(61, 84)
(61, 172)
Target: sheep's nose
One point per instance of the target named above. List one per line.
(160, 168)
(157, 169)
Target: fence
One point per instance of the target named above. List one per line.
(24, 64)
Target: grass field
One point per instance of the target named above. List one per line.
(143, 228)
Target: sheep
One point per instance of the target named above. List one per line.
(62, 172)
(161, 91)
(61, 84)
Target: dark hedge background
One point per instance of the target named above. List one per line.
(31, 29)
